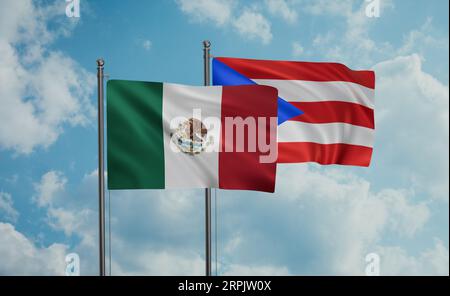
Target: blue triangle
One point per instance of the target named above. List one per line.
(224, 75)
(287, 111)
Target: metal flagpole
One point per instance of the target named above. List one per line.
(206, 68)
(101, 173)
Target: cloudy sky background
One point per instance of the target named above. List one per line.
(320, 221)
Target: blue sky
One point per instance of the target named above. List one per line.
(321, 220)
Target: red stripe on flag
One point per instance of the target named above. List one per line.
(288, 70)
(243, 170)
(324, 154)
(334, 111)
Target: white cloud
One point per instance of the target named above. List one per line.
(51, 186)
(350, 40)
(417, 41)
(432, 261)
(72, 222)
(412, 118)
(132, 259)
(158, 218)
(76, 217)
(7, 207)
(150, 262)
(349, 43)
(347, 217)
(297, 49)
(334, 211)
(253, 25)
(243, 270)
(431, 44)
(41, 90)
(21, 257)
(215, 11)
(405, 218)
(63, 213)
(59, 101)
(326, 7)
(247, 22)
(282, 9)
(332, 216)
(21, 20)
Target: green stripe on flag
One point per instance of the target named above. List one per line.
(135, 135)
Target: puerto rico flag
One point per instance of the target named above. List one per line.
(336, 121)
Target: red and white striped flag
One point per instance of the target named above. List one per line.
(337, 126)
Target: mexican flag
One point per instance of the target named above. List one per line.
(162, 135)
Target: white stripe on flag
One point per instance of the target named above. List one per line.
(325, 133)
(314, 91)
(183, 170)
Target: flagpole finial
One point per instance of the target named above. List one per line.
(100, 62)
(206, 44)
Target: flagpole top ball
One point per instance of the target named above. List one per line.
(100, 62)
(206, 44)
